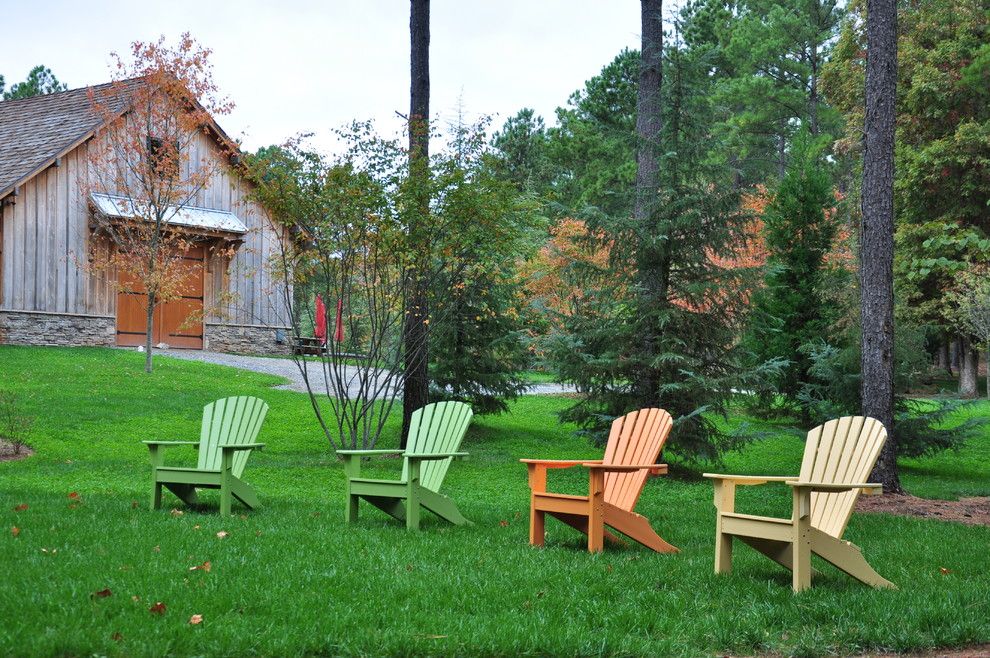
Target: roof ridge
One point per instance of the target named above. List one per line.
(39, 97)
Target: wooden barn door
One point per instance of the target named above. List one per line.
(178, 322)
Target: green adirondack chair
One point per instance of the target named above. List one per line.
(230, 427)
(435, 434)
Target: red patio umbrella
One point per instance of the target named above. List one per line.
(320, 327)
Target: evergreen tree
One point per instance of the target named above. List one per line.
(693, 217)
(800, 229)
(477, 346)
(40, 80)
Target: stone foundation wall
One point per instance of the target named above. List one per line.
(32, 328)
(244, 339)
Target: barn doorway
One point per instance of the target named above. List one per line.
(178, 323)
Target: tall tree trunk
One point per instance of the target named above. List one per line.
(968, 369)
(877, 243)
(942, 356)
(653, 263)
(416, 383)
(954, 355)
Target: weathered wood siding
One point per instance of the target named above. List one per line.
(46, 244)
(46, 241)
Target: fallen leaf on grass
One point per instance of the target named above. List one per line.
(157, 549)
(944, 571)
(196, 619)
(73, 506)
(21, 508)
(52, 551)
(201, 567)
(176, 512)
(222, 534)
(197, 527)
(134, 504)
(257, 533)
(15, 531)
(74, 495)
(135, 598)
(503, 523)
(117, 637)
(157, 609)
(102, 594)
(243, 517)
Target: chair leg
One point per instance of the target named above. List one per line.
(351, 509)
(848, 557)
(156, 495)
(537, 525)
(412, 508)
(225, 497)
(801, 572)
(723, 551)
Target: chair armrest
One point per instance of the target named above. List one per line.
(171, 443)
(560, 463)
(868, 488)
(368, 453)
(242, 446)
(750, 480)
(434, 456)
(654, 469)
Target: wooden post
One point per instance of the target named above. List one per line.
(537, 517)
(226, 475)
(801, 520)
(725, 501)
(596, 510)
(412, 499)
(156, 486)
(352, 469)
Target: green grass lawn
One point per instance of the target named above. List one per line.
(292, 579)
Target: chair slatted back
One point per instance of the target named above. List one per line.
(841, 450)
(436, 428)
(229, 421)
(636, 438)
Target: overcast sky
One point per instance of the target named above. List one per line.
(295, 66)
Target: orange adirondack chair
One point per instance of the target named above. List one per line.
(614, 485)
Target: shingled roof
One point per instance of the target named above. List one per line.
(36, 130)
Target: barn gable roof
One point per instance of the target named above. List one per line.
(35, 131)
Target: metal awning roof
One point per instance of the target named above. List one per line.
(188, 216)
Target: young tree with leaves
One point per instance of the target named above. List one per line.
(478, 350)
(161, 100)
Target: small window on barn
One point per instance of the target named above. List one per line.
(157, 153)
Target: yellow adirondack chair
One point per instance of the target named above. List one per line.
(838, 457)
(614, 485)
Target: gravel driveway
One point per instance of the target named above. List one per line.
(285, 367)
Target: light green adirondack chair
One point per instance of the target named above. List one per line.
(435, 434)
(230, 426)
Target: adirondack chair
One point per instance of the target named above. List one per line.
(838, 457)
(435, 434)
(614, 485)
(230, 427)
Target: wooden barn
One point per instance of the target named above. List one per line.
(50, 295)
